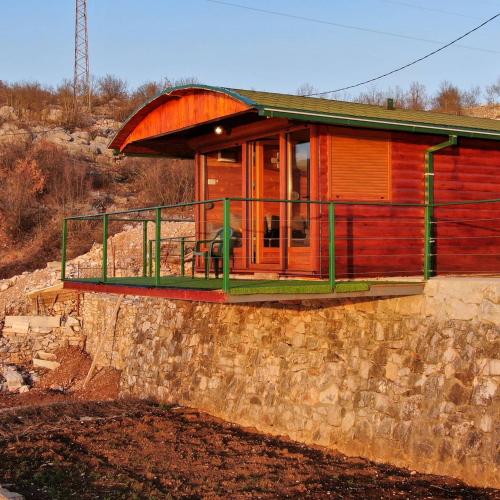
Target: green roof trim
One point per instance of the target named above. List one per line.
(352, 114)
(328, 111)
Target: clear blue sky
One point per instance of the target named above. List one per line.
(140, 40)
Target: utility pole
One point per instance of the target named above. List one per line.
(81, 79)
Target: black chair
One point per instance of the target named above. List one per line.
(271, 231)
(215, 251)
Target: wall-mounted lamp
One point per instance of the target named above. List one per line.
(219, 130)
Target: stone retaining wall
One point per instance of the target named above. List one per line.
(411, 381)
(20, 347)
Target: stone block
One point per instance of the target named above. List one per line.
(72, 322)
(13, 379)
(42, 363)
(392, 371)
(298, 340)
(364, 368)
(459, 310)
(334, 416)
(382, 403)
(486, 423)
(47, 356)
(493, 367)
(348, 421)
(484, 391)
(488, 311)
(329, 395)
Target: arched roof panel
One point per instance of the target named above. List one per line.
(177, 109)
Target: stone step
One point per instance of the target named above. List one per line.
(43, 363)
(38, 324)
(47, 356)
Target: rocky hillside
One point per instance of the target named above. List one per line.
(89, 143)
(49, 170)
(126, 256)
(487, 111)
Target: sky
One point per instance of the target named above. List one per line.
(141, 40)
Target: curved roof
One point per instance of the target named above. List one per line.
(312, 109)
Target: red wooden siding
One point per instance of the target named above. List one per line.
(468, 236)
(376, 241)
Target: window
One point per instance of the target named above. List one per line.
(299, 187)
(360, 165)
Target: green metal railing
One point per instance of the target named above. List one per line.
(152, 248)
(149, 255)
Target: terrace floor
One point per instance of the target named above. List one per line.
(243, 290)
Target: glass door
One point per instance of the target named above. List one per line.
(299, 194)
(264, 219)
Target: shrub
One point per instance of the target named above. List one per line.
(164, 181)
(111, 87)
(37, 182)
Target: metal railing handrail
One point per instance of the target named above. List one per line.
(270, 200)
(332, 205)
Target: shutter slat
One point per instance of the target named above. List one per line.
(360, 165)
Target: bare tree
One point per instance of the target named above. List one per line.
(493, 92)
(371, 96)
(111, 87)
(164, 181)
(306, 89)
(448, 99)
(416, 97)
(186, 80)
(147, 90)
(470, 98)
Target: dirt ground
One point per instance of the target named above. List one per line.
(66, 383)
(138, 449)
(58, 442)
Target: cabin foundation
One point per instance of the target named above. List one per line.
(412, 381)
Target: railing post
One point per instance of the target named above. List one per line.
(331, 246)
(183, 270)
(145, 248)
(226, 248)
(150, 257)
(63, 249)
(105, 222)
(157, 246)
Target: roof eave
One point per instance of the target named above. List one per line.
(377, 123)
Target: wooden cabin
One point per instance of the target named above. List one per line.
(261, 145)
(414, 193)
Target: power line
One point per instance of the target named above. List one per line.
(429, 9)
(344, 26)
(484, 23)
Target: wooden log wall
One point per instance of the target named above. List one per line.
(468, 236)
(379, 241)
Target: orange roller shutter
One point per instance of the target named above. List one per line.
(360, 166)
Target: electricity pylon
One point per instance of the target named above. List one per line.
(81, 79)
